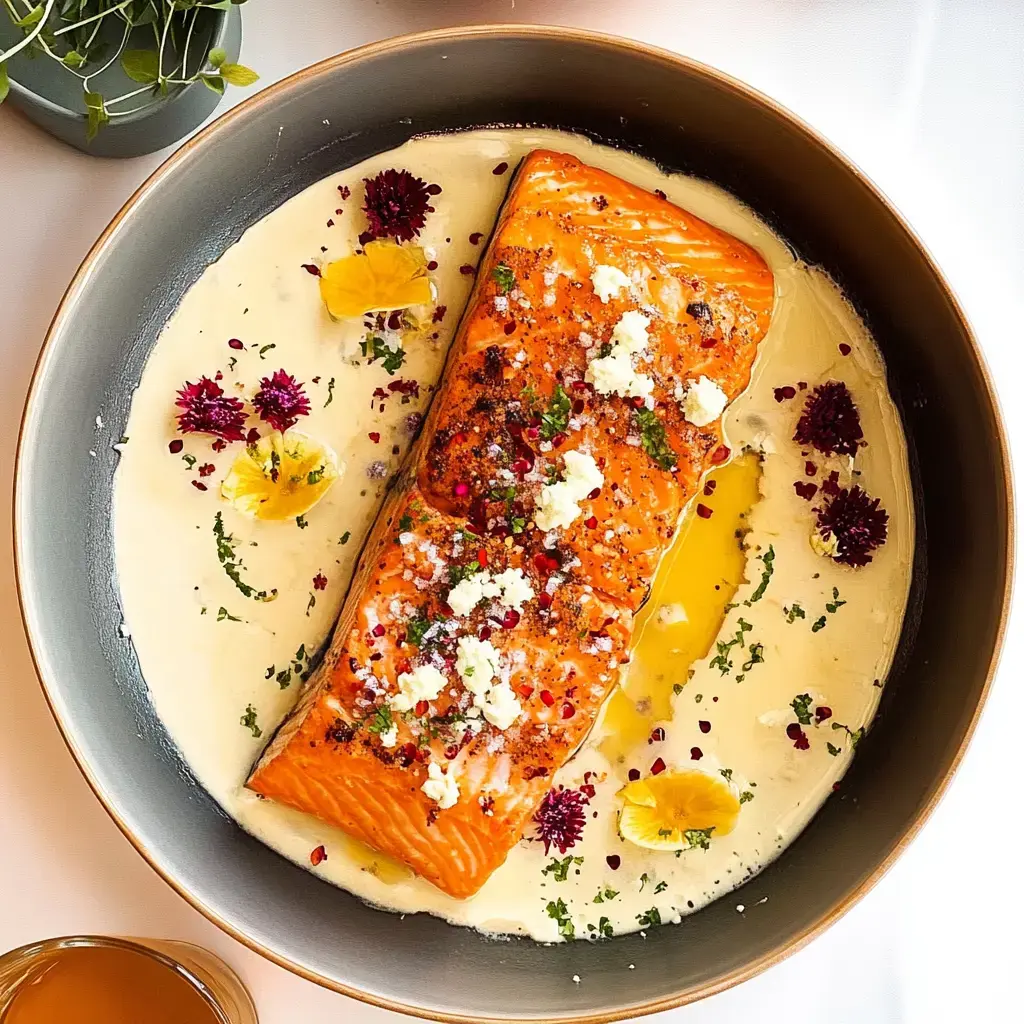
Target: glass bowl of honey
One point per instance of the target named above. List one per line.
(92, 979)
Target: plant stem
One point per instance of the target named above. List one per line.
(18, 47)
(95, 17)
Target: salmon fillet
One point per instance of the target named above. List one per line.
(476, 647)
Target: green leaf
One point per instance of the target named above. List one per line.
(214, 83)
(96, 114)
(238, 74)
(5, 85)
(505, 276)
(217, 56)
(73, 59)
(31, 18)
(141, 66)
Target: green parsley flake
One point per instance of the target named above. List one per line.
(768, 560)
(556, 419)
(223, 613)
(559, 869)
(374, 348)
(699, 837)
(819, 624)
(330, 392)
(560, 912)
(505, 277)
(653, 438)
(794, 612)
(606, 895)
(649, 918)
(249, 721)
(232, 564)
(381, 720)
(801, 705)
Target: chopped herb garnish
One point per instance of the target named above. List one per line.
(855, 737)
(223, 613)
(314, 476)
(528, 396)
(374, 347)
(653, 438)
(189, 460)
(249, 721)
(726, 774)
(300, 522)
(649, 918)
(330, 392)
(405, 523)
(560, 912)
(381, 720)
(232, 363)
(721, 660)
(746, 796)
(556, 419)
(505, 277)
(269, 674)
(311, 604)
(660, 887)
(458, 573)
(794, 612)
(284, 678)
(768, 560)
(606, 895)
(677, 688)
(756, 652)
(233, 565)
(833, 749)
(801, 705)
(604, 928)
(644, 879)
(265, 350)
(345, 537)
(559, 869)
(819, 624)
(835, 604)
(699, 837)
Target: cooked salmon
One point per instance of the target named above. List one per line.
(493, 603)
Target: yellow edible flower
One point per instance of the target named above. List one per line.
(281, 476)
(677, 810)
(383, 277)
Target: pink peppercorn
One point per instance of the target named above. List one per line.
(696, 753)
(658, 767)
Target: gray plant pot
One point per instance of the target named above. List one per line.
(51, 96)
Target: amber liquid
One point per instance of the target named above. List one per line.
(97, 985)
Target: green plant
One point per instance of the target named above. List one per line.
(70, 32)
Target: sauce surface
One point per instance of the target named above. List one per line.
(817, 633)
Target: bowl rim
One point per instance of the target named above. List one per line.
(783, 949)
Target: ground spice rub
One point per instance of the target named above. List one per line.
(581, 404)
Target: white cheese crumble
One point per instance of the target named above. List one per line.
(389, 737)
(631, 331)
(558, 503)
(614, 374)
(500, 707)
(608, 281)
(468, 593)
(476, 661)
(515, 588)
(424, 682)
(441, 788)
(702, 401)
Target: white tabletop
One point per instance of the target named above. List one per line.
(927, 96)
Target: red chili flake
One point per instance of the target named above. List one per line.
(708, 342)
(613, 860)
(822, 713)
(810, 468)
(330, 222)
(206, 469)
(544, 600)
(467, 269)
(634, 774)
(236, 344)
(406, 754)
(785, 393)
(374, 436)
(526, 692)
(658, 767)
(805, 490)
(588, 790)
(176, 446)
(590, 522)
(396, 205)
(199, 485)
(344, 191)
(377, 630)
(439, 313)
(798, 736)
(560, 818)
(547, 697)
(510, 327)
(568, 709)
(703, 511)
(510, 619)
(720, 454)
(857, 521)
(704, 726)
(207, 410)
(311, 268)
(421, 708)
(830, 421)
(474, 239)
(318, 856)
(844, 348)
(696, 753)
(657, 735)
(281, 401)
(501, 168)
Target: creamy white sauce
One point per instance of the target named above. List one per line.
(203, 673)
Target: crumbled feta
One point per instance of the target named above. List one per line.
(476, 661)
(424, 682)
(441, 788)
(558, 503)
(613, 374)
(515, 588)
(608, 281)
(389, 737)
(631, 331)
(827, 548)
(501, 303)
(468, 593)
(702, 401)
(500, 707)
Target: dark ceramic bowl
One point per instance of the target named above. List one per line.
(685, 116)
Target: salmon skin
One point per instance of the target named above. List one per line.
(476, 647)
